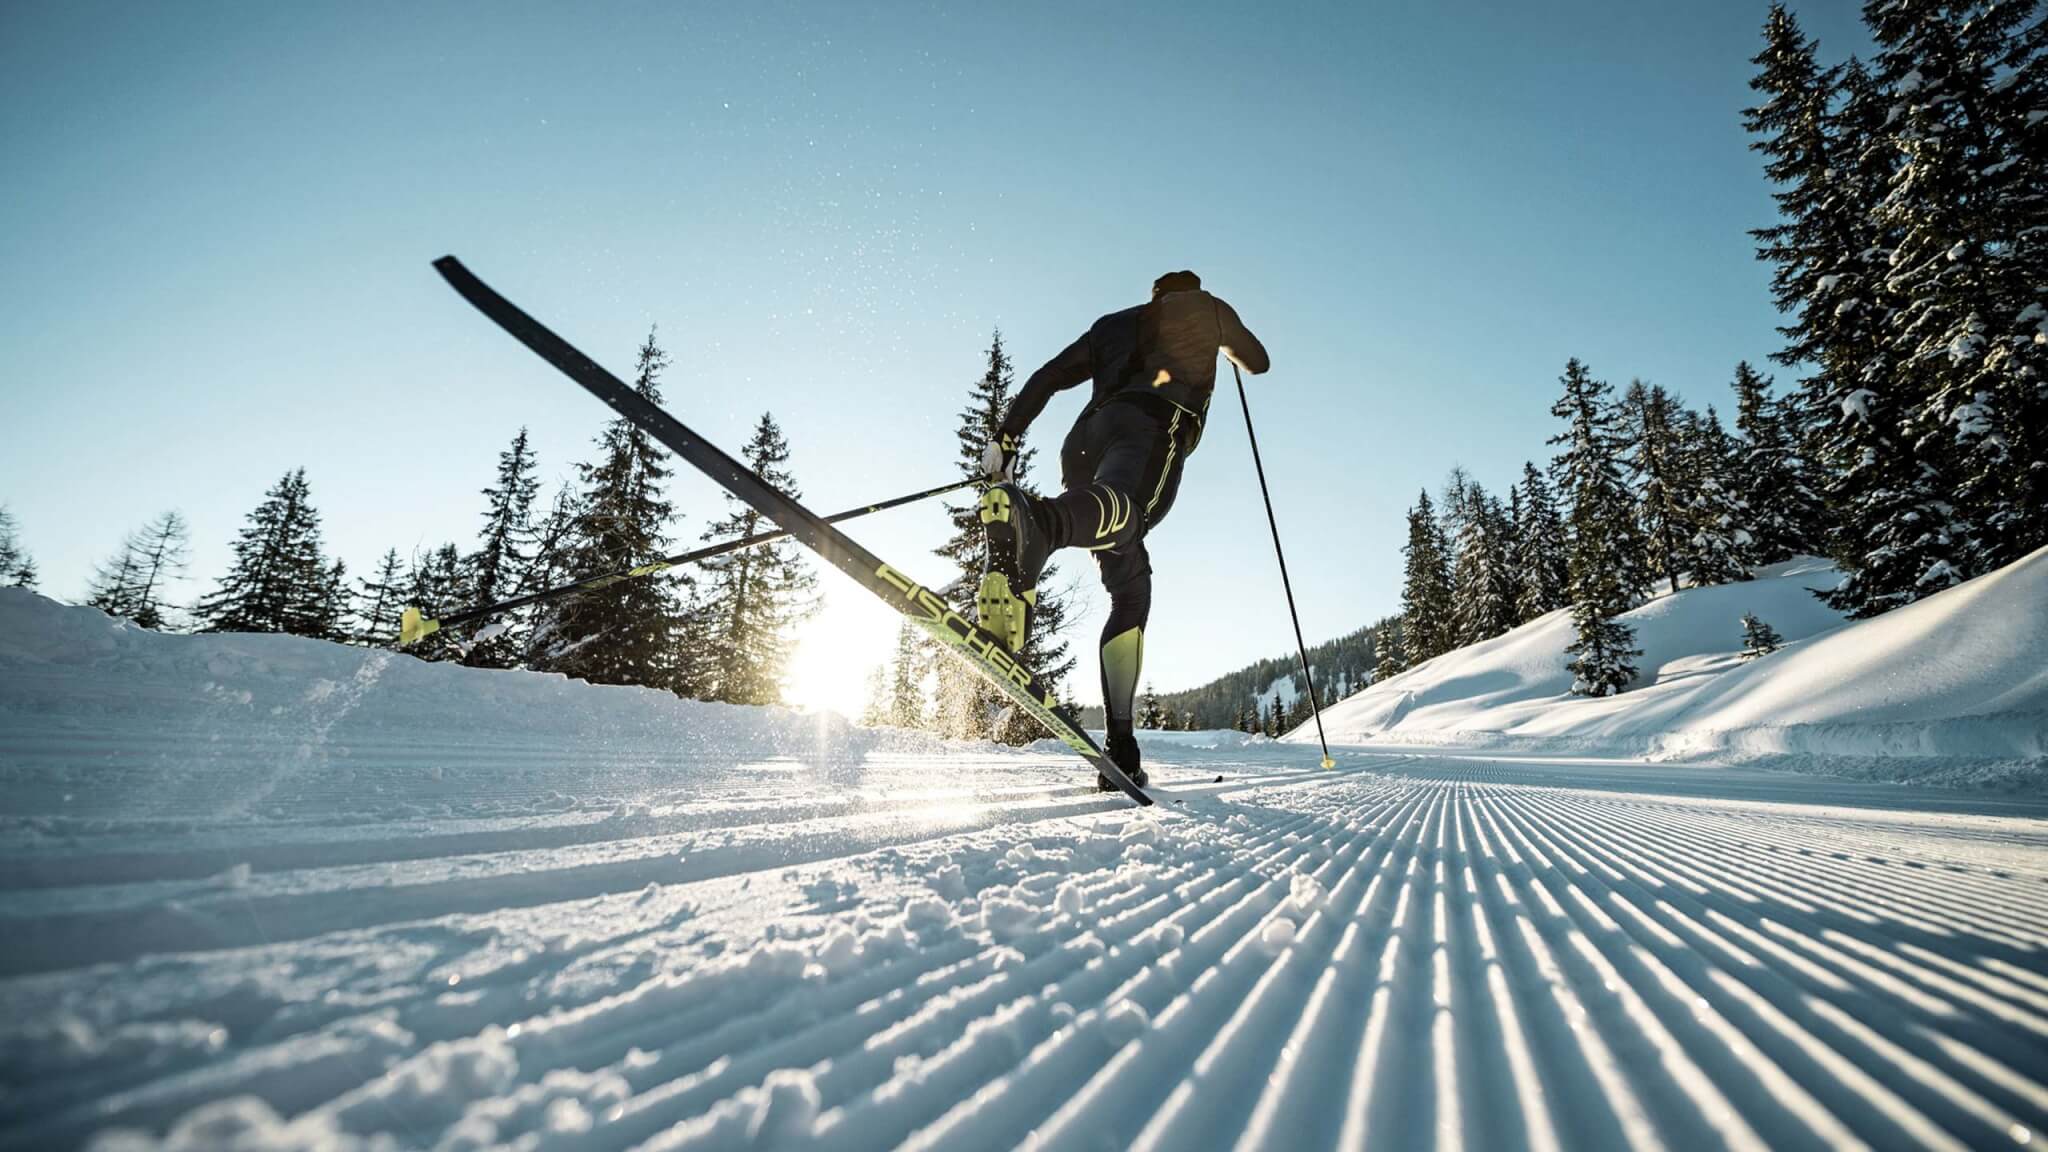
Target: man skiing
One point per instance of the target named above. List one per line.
(1154, 367)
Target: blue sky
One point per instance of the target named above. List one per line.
(216, 223)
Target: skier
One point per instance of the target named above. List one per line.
(1154, 367)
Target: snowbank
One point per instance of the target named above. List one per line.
(1953, 688)
(99, 717)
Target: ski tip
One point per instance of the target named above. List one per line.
(1329, 763)
(413, 627)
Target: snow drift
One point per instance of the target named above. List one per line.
(98, 716)
(1955, 686)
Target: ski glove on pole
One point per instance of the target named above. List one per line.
(999, 458)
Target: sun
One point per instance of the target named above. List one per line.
(852, 634)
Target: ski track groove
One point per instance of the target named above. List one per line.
(1428, 952)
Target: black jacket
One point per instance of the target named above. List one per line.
(1165, 349)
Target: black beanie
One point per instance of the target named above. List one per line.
(1182, 281)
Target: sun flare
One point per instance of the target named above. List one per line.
(852, 634)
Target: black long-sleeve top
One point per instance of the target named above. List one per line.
(1166, 348)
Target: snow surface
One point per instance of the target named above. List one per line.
(1953, 689)
(266, 893)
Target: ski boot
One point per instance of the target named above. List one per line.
(1017, 548)
(1123, 752)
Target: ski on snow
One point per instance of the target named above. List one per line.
(924, 608)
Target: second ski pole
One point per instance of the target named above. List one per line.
(1285, 584)
(415, 626)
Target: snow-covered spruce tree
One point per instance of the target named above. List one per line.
(1714, 516)
(112, 588)
(278, 581)
(1604, 562)
(1276, 717)
(1772, 473)
(337, 603)
(1539, 557)
(1427, 627)
(1966, 90)
(17, 567)
(1826, 136)
(1896, 531)
(505, 549)
(1758, 638)
(1649, 426)
(1150, 714)
(905, 705)
(1482, 585)
(553, 538)
(631, 632)
(379, 600)
(163, 551)
(1389, 659)
(965, 701)
(753, 599)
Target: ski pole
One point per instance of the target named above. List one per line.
(414, 627)
(1285, 584)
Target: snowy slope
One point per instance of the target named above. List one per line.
(1956, 678)
(261, 893)
(96, 714)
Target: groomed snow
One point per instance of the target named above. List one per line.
(262, 893)
(1953, 689)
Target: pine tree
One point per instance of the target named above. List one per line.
(965, 701)
(504, 553)
(630, 632)
(278, 581)
(1427, 627)
(1758, 638)
(17, 567)
(337, 604)
(904, 703)
(1648, 417)
(874, 713)
(754, 598)
(1389, 658)
(1150, 714)
(1966, 204)
(112, 589)
(1604, 562)
(1827, 134)
(554, 537)
(1715, 516)
(1540, 549)
(1482, 587)
(1772, 472)
(381, 598)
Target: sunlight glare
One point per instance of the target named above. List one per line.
(852, 634)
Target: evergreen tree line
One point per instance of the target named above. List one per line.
(1270, 719)
(722, 631)
(1643, 493)
(1242, 700)
(1912, 449)
(1910, 258)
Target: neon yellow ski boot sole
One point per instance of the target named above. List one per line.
(1004, 612)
